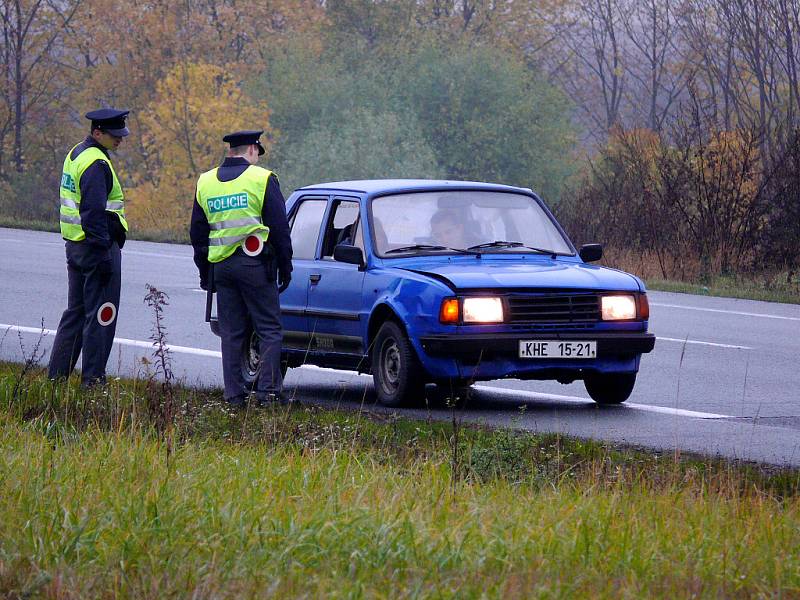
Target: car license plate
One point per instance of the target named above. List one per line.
(557, 349)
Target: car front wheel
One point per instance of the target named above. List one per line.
(396, 370)
(610, 388)
(251, 356)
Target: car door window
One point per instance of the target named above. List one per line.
(306, 226)
(341, 227)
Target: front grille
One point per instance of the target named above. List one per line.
(554, 308)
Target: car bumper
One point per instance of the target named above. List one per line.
(464, 347)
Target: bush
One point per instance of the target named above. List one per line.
(781, 239)
(696, 200)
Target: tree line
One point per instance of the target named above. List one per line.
(652, 125)
(692, 108)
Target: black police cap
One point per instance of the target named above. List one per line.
(109, 120)
(245, 138)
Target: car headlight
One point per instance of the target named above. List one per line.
(483, 310)
(618, 308)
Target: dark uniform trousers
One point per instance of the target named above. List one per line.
(79, 329)
(247, 294)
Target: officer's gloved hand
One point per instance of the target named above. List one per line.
(104, 269)
(115, 229)
(284, 279)
(204, 284)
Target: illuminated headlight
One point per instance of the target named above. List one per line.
(618, 308)
(483, 310)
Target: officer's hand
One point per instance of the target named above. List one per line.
(104, 269)
(284, 279)
(204, 284)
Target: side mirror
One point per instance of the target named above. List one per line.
(351, 255)
(591, 252)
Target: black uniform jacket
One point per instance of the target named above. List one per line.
(101, 227)
(273, 215)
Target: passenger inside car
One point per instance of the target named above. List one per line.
(345, 235)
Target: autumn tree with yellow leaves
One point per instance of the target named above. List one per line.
(181, 69)
(182, 127)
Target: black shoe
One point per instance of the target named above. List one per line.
(274, 398)
(93, 383)
(236, 403)
(286, 400)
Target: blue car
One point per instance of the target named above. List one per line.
(452, 282)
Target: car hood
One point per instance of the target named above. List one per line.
(487, 273)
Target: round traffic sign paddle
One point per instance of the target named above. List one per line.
(252, 245)
(106, 314)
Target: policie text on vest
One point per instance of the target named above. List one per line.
(220, 203)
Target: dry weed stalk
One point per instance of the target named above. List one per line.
(161, 396)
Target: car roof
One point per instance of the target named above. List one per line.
(372, 186)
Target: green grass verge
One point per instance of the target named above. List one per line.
(734, 287)
(102, 497)
(24, 224)
(166, 236)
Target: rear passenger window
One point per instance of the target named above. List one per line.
(305, 227)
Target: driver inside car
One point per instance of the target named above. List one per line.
(449, 229)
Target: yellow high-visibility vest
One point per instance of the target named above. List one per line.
(233, 209)
(70, 192)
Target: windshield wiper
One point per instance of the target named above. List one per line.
(427, 247)
(505, 244)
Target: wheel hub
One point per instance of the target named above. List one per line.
(391, 364)
(252, 355)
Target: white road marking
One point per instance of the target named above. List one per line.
(505, 391)
(120, 341)
(729, 312)
(678, 412)
(688, 341)
(170, 347)
(524, 394)
(527, 395)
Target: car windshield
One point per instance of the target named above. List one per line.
(454, 221)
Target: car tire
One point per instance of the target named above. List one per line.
(251, 357)
(396, 370)
(610, 388)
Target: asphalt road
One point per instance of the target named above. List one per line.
(723, 379)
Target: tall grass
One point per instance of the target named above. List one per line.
(310, 503)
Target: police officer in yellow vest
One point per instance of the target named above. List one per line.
(92, 216)
(239, 229)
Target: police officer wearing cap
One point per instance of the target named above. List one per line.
(93, 225)
(241, 243)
